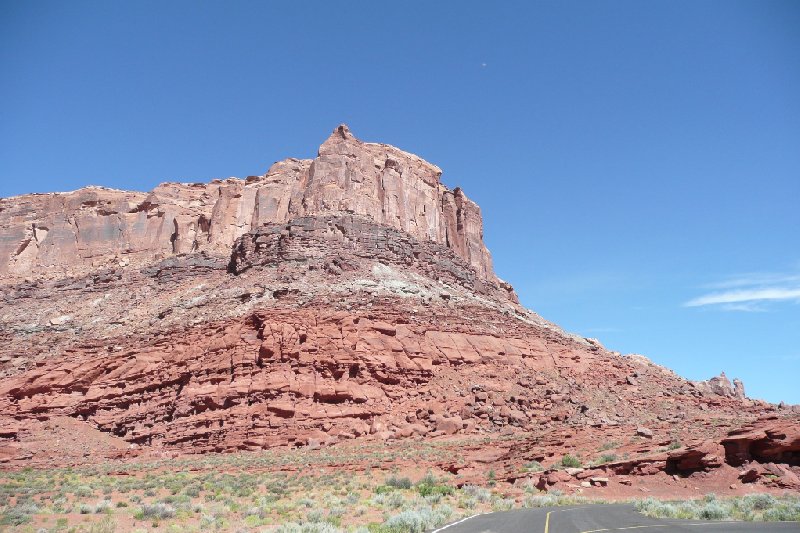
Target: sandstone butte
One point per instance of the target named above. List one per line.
(349, 297)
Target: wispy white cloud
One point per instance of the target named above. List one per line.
(750, 292)
(731, 297)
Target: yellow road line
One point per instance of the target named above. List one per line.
(547, 518)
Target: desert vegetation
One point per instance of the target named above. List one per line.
(375, 489)
(365, 489)
(752, 507)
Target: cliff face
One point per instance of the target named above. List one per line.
(67, 234)
(345, 297)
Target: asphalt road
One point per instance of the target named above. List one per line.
(597, 518)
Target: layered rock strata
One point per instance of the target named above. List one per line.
(68, 234)
(345, 297)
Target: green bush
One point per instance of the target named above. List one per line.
(607, 458)
(533, 466)
(428, 490)
(569, 461)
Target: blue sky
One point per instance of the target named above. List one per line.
(637, 163)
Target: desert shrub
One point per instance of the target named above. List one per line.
(646, 505)
(714, 510)
(106, 525)
(783, 512)
(427, 490)
(750, 507)
(607, 458)
(19, 514)
(609, 445)
(540, 500)
(533, 466)
(428, 479)
(570, 461)
(477, 493)
(258, 512)
(688, 510)
(212, 521)
(321, 527)
(417, 520)
(278, 486)
(398, 482)
(502, 504)
(157, 511)
(432, 499)
(193, 491)
(467, 503)
(315, 515)
(657, 509)
(390, 500)
(103, 506)
(759, 502)
(306, 502)
(83, 491)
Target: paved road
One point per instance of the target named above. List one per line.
(597, 518)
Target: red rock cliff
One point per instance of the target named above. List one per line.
(65, 234)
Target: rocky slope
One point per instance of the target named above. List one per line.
(348, 297)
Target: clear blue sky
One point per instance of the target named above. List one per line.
(638, 163)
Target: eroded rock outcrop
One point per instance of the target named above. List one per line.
(270, 379)
(67, 234)
(340, 243)
(722, 386)
(769, 440)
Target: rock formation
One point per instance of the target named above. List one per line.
(346, 297)
(722, 386)
(67, 234)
